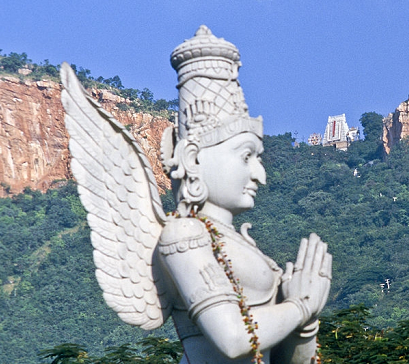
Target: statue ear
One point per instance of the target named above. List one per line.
(189, 159)
(193, 191)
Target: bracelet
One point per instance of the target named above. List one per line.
(307, 331)
(305, 312)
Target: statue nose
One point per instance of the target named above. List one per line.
(258, 173)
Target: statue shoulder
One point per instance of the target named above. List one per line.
(183, 234)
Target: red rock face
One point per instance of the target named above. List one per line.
(34, 142)
(396, 126)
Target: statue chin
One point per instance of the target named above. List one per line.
(226, 213)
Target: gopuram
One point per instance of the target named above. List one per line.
(338, 134)
(230, 303)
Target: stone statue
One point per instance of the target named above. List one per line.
(230, 303)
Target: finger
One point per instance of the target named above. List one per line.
(319, 256)
(288, 275)
(329, 270)
(299, 264)
(326, 268)
(312, 245)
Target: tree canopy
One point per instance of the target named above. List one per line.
(357, 201)
(140, 101)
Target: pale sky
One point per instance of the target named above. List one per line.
(302, 60)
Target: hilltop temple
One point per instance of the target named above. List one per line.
(338, 134)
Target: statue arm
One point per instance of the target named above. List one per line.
(212, 304)
(208, 295)
(224, 327)
(309, 282)
(292, 334)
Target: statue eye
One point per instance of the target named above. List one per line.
(246, 157)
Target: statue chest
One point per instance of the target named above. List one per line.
(258, 274)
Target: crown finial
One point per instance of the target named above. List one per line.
(211, 102)
(203, 46)
(203, 30)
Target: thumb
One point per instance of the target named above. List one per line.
(288, 275)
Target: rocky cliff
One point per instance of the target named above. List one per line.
(34, 142)
(396, 126)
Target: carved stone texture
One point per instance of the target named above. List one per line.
(118, 189)
(396, 126)
(193, 264)
(34, 141)
(211, 101)
(216, 168)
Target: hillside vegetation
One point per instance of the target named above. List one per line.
(19, 65)
(357, 201)
(361, 211)
(49, 294)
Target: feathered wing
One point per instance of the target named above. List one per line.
(119, 192)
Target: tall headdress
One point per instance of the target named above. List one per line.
(212, 108)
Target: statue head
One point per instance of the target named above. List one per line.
(212, 114)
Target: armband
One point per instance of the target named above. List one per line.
(182, 234)
(215, 289)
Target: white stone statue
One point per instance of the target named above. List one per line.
(230, 303)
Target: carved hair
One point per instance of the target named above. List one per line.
(182, 167)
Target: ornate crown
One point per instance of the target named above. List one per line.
(212, 108)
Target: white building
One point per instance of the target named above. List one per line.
(336, 130)
(338, 134)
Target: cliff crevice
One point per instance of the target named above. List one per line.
(34, 142)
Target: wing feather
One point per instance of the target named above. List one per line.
(118, 189)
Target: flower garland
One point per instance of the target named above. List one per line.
(223, 260)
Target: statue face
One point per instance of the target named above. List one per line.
(231, 171)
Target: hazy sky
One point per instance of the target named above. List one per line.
(302, 60)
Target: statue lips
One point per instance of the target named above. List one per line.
(251, 190)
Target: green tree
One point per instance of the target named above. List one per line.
(130, 93)
(84, 75)
(113, 82)
(173, 104)
(161, 350)
(160, 104)
(65, 354)
(14, 61)
(146, 95)
(346, 337)
(45, 69)
(124, 354)
(372, 147)
(372, 123)
(152, 350)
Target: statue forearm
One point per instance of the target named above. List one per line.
(295, 350)
(223, 326)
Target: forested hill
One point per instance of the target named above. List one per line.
(357, 201)
(360, 209)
